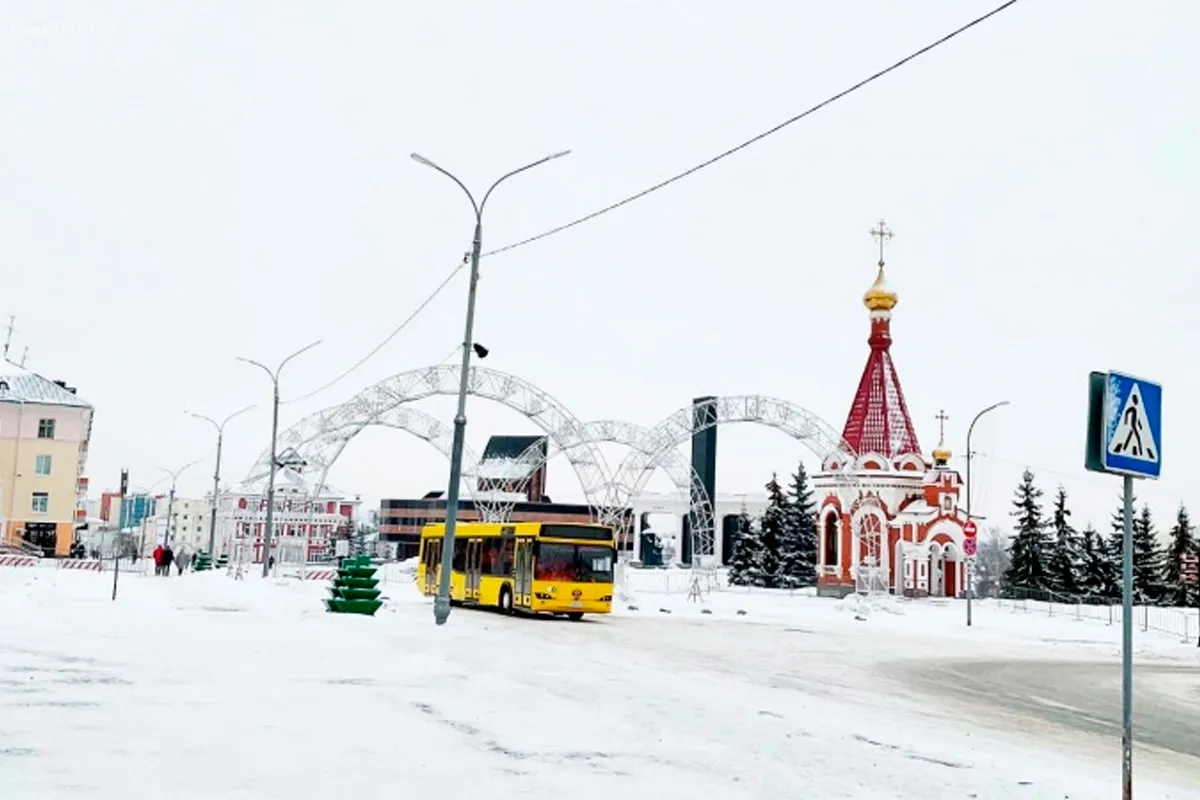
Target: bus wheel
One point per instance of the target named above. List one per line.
(575, 616)
(506, 600)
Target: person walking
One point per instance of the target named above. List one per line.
(158, 560)
(167, 557)
(183, 560)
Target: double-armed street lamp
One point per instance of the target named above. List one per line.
(441, 605)
(220, 426)
(970, 571)
(274, 376)
(171, 498)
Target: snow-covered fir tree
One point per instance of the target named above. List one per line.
(1183, 542)
(773, 522)
(1065, 557)
(1148, 560)
(747, 546)
(1029, 547)
(798, 547)
(1097, 572)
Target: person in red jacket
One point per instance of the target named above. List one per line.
(158, 560)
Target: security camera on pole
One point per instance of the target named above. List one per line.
(1124, 437)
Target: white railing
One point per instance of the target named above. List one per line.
(1181, 622)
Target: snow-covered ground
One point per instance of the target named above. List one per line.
(205, 687)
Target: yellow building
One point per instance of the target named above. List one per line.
(44, 432)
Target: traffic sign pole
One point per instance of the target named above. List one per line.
(1127, 648)
(1124, 437)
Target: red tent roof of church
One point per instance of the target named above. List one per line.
(879, 420)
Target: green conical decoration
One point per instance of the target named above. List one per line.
(202, 562)
(353, 590)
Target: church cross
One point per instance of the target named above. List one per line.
(941, 418)
(882, 233)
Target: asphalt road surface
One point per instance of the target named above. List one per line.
(1084, 696)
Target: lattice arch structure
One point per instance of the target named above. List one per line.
(639, 439)
(662, 443)
(320, 437)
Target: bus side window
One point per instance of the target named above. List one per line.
(503, 565)
(487, 555)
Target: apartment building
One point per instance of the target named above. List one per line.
(44, 431)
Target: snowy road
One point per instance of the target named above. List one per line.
(203, 687)
(1085, 696)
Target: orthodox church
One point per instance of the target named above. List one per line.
(888, 518)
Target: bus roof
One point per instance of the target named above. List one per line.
(551, 530)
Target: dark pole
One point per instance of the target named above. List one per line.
(270, 521)
(970, 562)
(441, 604)
(120, 527)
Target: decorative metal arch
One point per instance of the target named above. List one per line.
(634, 436)
(666, 437)
(320, 437)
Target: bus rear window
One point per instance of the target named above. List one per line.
(574, 563)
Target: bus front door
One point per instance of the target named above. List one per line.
(524, 573)
(474, 552)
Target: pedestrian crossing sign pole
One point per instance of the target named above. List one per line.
(1124, 437)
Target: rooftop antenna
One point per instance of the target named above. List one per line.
(24, 356)
(12, 321)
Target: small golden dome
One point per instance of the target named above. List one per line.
(879, 297)
(941, 455)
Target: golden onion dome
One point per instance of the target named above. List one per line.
(941, 455)
(879, 297)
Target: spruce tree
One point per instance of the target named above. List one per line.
(1097, 573)
(798, 548)
(1116, 547)
(1029, 546)
(773, 522)
(1065, 557)
(1148, 559)
(747, 547)
(1183, 542)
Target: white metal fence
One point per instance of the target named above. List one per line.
(1181, 622)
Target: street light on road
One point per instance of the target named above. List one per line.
(441, 605)
(274, 376)
(970, 570)
(171, 498)
(220, 426)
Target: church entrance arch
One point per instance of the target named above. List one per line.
(320, 437)
(665, 438)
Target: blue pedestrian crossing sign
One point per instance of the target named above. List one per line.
(1132, 426)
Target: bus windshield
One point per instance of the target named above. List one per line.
(575, 563)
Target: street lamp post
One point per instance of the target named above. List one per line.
(441, 605)
(171, 498)
(274, 376)
(220, 426)
(970, 565)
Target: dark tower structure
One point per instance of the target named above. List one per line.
(704, 461)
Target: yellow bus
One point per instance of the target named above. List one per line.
(537, 567)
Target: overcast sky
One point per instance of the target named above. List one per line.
(184, 183)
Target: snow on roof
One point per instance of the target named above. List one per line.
(917, 511)
(503, 469)
(20, 385)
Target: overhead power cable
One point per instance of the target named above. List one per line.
(754, 139)
(665, 183)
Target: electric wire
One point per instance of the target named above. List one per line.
(754, 139)
(663, 184)
(395, 332)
